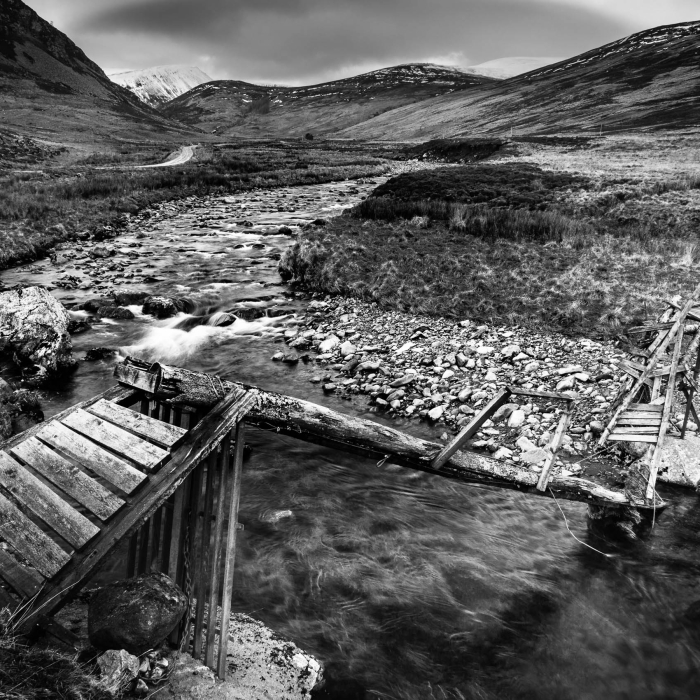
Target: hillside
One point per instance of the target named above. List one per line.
(52, 90)
(235, 108)
(156, 86)
(650, 80)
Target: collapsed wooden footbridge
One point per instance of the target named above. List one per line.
(157, 460)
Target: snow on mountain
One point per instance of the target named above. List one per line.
(510, 66)
(156, 86)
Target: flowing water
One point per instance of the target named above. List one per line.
(405, 585)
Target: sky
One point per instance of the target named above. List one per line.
(301, 42)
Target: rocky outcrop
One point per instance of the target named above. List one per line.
(137, 614)
(34, 332)
(260, 665)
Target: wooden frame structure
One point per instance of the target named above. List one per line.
(649, 421)
(147, 495)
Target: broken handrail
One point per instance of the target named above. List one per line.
(321, 425)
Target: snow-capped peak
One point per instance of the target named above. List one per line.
(161, 84)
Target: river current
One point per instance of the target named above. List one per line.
(404, 585)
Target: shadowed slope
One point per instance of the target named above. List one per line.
(50, 88)
(650, 80)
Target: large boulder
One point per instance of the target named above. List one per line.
(680, 461)
(34, 331)
(136, 614)
(165, 307)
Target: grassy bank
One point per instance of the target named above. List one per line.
(34, 672)
(39, 209)
(533, 248)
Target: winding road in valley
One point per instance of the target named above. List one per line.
(182, 156)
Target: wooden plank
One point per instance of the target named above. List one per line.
(629, 437)
(230, 548)
(217, 546)
(137, 380)
(656, 422)
(197, 446)
(539, 394)
(554, 446)
(204, 555)
(641, 429)
(31, 543)
(24, 581)
(471, 428)
(108, 466)
(154, 430)
(117, 394)
(665, 418)
(651, 364)
(59, 471)
(120, 441)
(693, 314)
(656, 408)
(34, 495)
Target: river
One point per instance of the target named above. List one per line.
(403, 584)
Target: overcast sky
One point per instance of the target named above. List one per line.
(308, 41)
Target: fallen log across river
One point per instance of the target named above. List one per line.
(321, 425)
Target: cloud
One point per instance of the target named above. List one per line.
(310, 40)
(303, 41)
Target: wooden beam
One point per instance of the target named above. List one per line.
(665, 417)
(471, 428)
(321, 425)
(554, 446)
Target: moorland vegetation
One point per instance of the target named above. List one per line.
(510, 243)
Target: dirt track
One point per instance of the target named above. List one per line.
(184, 155)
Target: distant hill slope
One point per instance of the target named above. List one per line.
(509, 66)
(234, 108)
(156, 86)
(49, 88)
(650, 80)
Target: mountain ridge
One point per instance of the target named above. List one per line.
(648, 80)
(234, 107)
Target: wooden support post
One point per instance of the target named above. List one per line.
(131, 556)
(230, 549)
(142, 566)
(204, 560)
(192, 569)
(217, 544)
(689, 395)
(554, 446)
(176, 557)
(665, 418)
(471, 428)
(156, 533)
